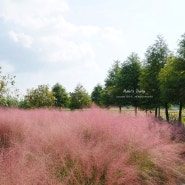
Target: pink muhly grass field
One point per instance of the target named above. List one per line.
(90, 147)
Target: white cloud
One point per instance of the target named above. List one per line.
(6, 67)
(56, 39)
(35, 13)
(42, 21)
(89, 31)
(113, 35)
(40, 25)
(58, 49)
(22, 38)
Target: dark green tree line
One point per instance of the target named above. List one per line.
(160, 76)
(172, 79)
(155, 59)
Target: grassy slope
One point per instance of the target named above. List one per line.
(91, 147)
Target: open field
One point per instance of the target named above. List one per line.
(89, 147)
(173, 113)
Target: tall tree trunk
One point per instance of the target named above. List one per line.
(156, 112)
(159, 112)
(166, 112)
(135, 111)
(180, 113)
(119, 108)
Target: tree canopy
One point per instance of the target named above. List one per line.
(61, 96)
(8, 94)
(96, 95)
(155, 59)
(79, 99)
(40, 97)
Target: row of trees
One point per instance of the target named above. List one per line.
(42, 96)
(157, 81)
(57, 97)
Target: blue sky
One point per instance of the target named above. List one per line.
(76, 41)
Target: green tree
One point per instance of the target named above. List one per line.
(129, 79)
(122, 77)
(180, 66)
(106, 98)
(40, 97)
(24, 104)
(7, 90)
(172, 82)
(96, 95)
(12, 101)
(79, 99)
(165, 80)
(181, 48)
(61, 96)
(112, 89)
(155, 59)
